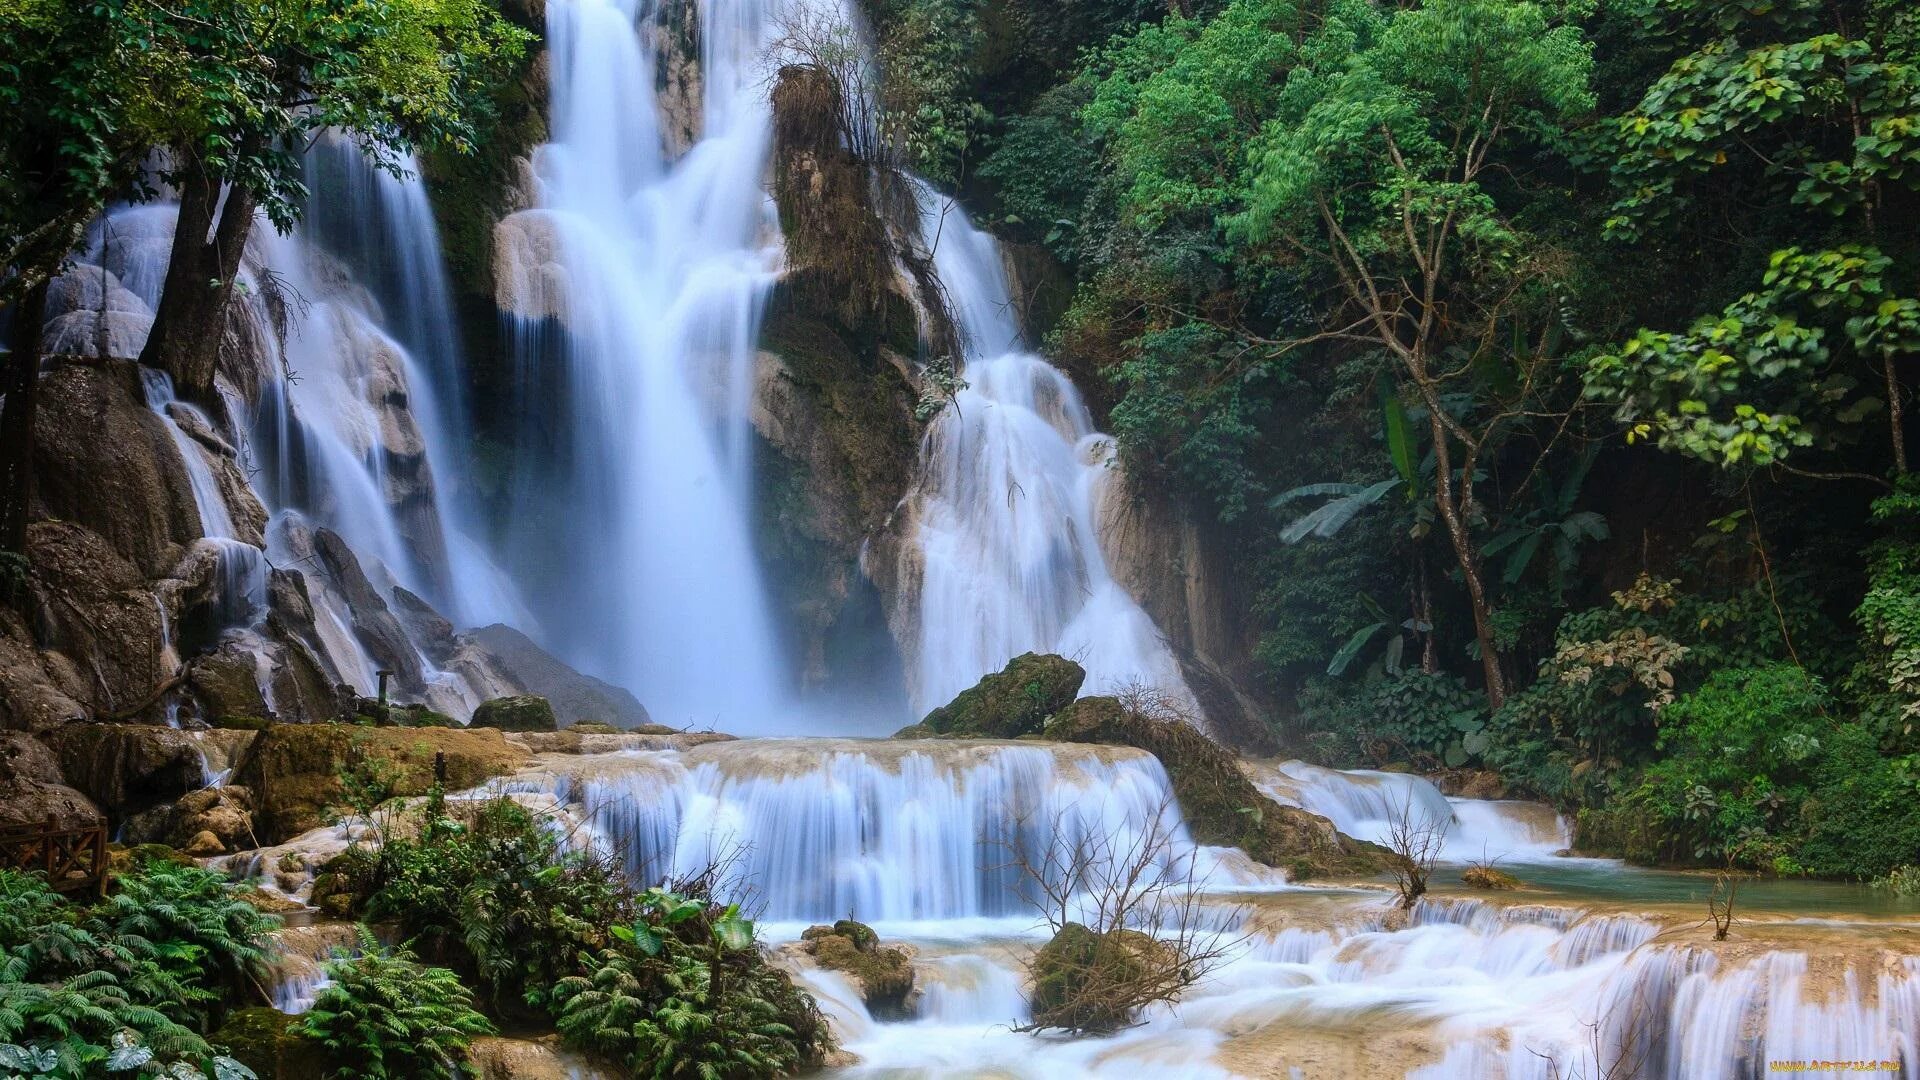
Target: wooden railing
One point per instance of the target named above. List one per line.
(72, 859)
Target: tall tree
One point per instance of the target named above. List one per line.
(270, 78)
(1376, 170)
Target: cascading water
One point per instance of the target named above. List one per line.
(1006, 546)
(639, 282)
(1366, 804)
(888, 833)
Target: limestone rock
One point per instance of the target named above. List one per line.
(262, 1039)
(529, 269)
(1014, 701)
(32, 790)
(79, 333)
(97, 620)
(525, 712)
(105, 462)
(496, 1057)
(29, 698)
(1221, 806)
(223, 813)
(293, 771)
(576, 698)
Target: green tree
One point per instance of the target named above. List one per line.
(1375, 169)
(266, 78)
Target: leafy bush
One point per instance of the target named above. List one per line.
(1432, 719)
(684, 992)
(1741, 752)
(500, 892)
(196, 926)
(387, 1016)
(1862, 818)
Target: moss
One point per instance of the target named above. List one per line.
(1486, 877)
(594, 727)
(1082, 978)
(263, 1040)
(1014, 701)
(1219, 803)
(125, 860)
(525, 712)
(294, 769)
(242, 723)
(824, 197)
(885, 975)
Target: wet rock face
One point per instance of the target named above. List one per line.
(575, 698)
(525, 712)
(1014, 701)
(127, 768)
(32, 789)
(1221, 806)
(294, 769)
(103, 461)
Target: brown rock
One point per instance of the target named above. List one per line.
(204, 845)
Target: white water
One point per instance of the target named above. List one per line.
(884, 833)
(638, 536)
(912, 839)
(1006, 548)
(348, 430)
(1366, 804)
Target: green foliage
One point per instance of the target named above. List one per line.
(929, 113)
(1409, 717)
(1740, 752)
(685, 992)
(123, 989)
(501, 892)
(387, 1017)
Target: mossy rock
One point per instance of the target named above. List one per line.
(242, 723)
(1220, 804)
(125, 860)
(1078, 977)
(418, 716)
(595, 727)
(263, 1040)
(884, 975)
(294, 770)
(1486, 877)
(1014, 701)
(523, 712)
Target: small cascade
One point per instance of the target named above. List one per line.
(240, 581)
(1365, 804)
(1006, 553)
(297, 972)
(824, 830)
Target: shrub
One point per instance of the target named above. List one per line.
(1862, 817)
(80, 997)
(196, 926)
(500, 891)
(1741, 750)
(685, 992)
(387, 1016)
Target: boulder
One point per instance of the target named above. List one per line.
(223, 813)
(294, 770)
(1014, 701)
(525, 712)
(30, 700)
(103, 461)
(883, 974)
(1094, 982)
(1487, 877)
(97, 622)
(263, 1040)
(575, 697)
(127, 768)
(1221, 806)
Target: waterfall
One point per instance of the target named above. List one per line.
(1005, 543)
(1363, 803)
(822, 830)
(340, 424)
(638, 283)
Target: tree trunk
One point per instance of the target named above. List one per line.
(22, 388)
(191, 319)
(1896, 416)
(1446, 500)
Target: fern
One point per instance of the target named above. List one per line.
(387, 1017)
